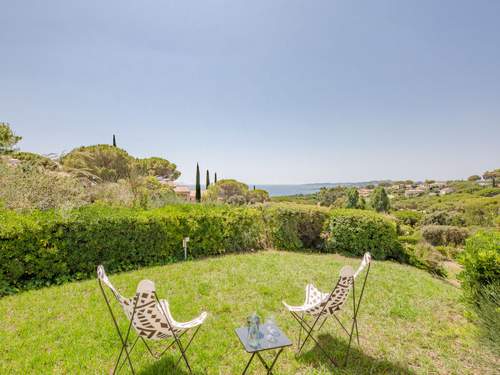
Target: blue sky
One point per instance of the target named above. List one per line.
(262, 91)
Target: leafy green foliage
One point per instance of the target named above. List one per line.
(408, 217)
(352, 198)
(100, 162)
(36, 160)
(379, 200)
(481, 261)
(355, 231)
(444, 235)
(7, 138)
(40, 249)
(156, 166)
(481, 281)
(28, 187)
(294, 226)
(257, 196)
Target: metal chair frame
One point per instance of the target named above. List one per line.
(127, 346)
(309, 329)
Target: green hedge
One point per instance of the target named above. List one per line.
(46, 248)
(50, 247)
(442, 235)
(294, 226)
(357, 231)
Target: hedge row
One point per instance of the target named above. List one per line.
(52, 247)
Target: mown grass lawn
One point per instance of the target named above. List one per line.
(409, 322)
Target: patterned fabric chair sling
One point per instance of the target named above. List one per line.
(151, 320)
(320, 305)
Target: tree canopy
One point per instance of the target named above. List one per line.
(379, 200)
(104, 163)
(156, 166)
(492, 175)
(7, 138)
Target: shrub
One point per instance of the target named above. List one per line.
(294, 226)
(354, 232)
(481, 281)
(422, 255)
(444, 235)
(408, 217)
(44, 248)
(36, 160)
(481, 261)
(27, 187)
(488, 192)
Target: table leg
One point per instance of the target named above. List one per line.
(248, 364)
(269, 368)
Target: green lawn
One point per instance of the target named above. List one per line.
(409, 323)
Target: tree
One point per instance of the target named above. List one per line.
(492, 175)
(474, 178)
(215, 178)
(114, 141)
(226, 190)
(352, 198)
(328, 196)
(198, 185)
(257, 196)
(379, 200)
(159, 167)
(207, 182)
(7, 138)
(103, 163)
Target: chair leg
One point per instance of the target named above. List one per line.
(300, 332)
(309, 329)
(189, 342)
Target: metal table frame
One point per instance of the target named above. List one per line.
(282, 343)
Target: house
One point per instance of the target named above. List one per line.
(445, 191)
(183, 192)
(413, 192)
(365, 193)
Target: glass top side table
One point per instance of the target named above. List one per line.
(279, 342)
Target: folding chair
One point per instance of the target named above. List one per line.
(151, 319)
(320, 305)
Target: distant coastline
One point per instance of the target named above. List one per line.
(296, 189)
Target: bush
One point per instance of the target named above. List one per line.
(45, 248)
(354, 232)
(422, 255)
(481, 281)
(444, 235)
(408, 217)
(27, 187)
(481, 261)
(294, 226)
(36, 160)
(488, 192)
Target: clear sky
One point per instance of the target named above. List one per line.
(262, 91)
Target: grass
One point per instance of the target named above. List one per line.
(410, 322)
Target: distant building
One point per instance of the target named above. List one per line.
(365, 193)
(184, 192)
(445, 191)
(413, 192)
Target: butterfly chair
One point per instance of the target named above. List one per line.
(151, 319)
(320, 305)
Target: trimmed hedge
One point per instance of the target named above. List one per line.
(356, 231)
(46, 248)
(50, 247)
(294, 226)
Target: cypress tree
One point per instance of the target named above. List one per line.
(114, 141)
(215, 179)
(198, 185)
(208, 179)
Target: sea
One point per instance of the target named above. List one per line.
(298, 189)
